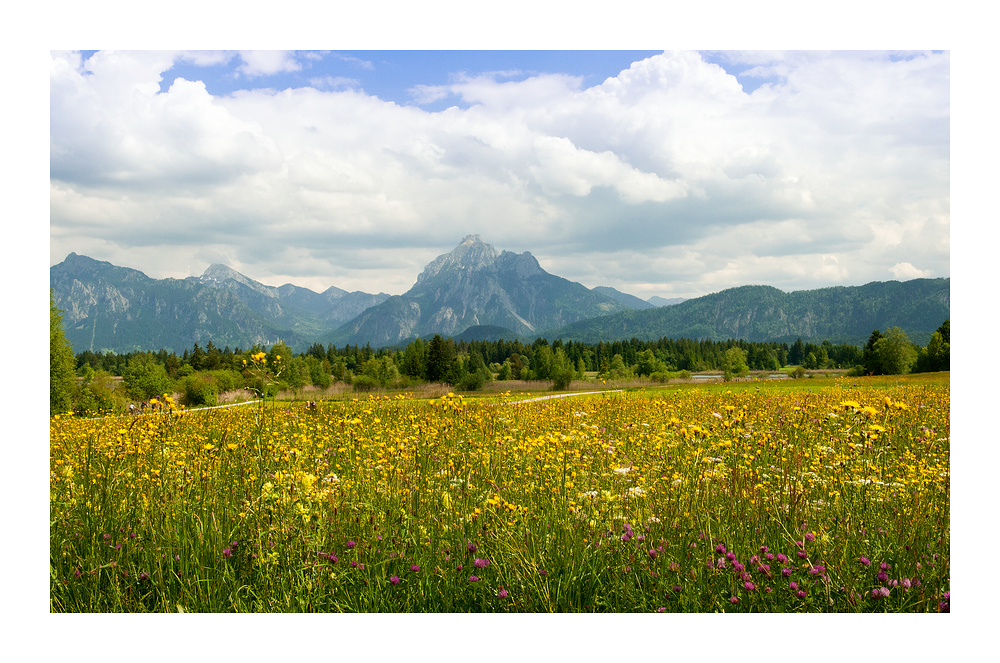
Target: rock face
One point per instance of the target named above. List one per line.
(474, 285)
(122, 310)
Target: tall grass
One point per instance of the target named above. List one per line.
(701, 499)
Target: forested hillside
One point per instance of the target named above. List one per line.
(761, 313)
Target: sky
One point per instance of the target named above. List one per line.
(667, 173)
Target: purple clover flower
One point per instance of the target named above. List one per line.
(350, 544)
(864, 560)
(481, 563)
(394, 580)
(502, 593)
(415, 568)
(473, 578)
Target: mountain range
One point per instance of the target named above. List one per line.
(106, 307)
(472, 292)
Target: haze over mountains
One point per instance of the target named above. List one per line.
(473, 291)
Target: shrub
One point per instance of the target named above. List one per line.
(472, 381)
(562, 378)
(365, 383)
(199, 389)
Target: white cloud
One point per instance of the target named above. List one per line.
(834, 172)
(904, 271)
(263, 63)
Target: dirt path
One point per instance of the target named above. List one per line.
(580, 393)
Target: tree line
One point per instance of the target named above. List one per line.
(87, 382)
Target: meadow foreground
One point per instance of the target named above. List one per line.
(752, 497)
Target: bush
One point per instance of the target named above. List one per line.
(660, 376)
(472, 381)
(227, 380)
(199, 389)
(365, 383)
(797, 373)
(562, 378)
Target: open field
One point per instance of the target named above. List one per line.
(820, 495)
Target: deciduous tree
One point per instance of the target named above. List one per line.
(62, 376)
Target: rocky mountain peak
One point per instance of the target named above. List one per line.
(472, 254)
(217, 272)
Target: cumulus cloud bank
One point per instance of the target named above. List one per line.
(684, 174)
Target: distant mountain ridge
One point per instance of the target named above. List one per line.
(121, 309)
(471, 292)
(841, 314)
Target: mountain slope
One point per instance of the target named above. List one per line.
(842, 314)
(474, 285)
(123, 310)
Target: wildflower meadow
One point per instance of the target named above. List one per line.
(831, 496)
